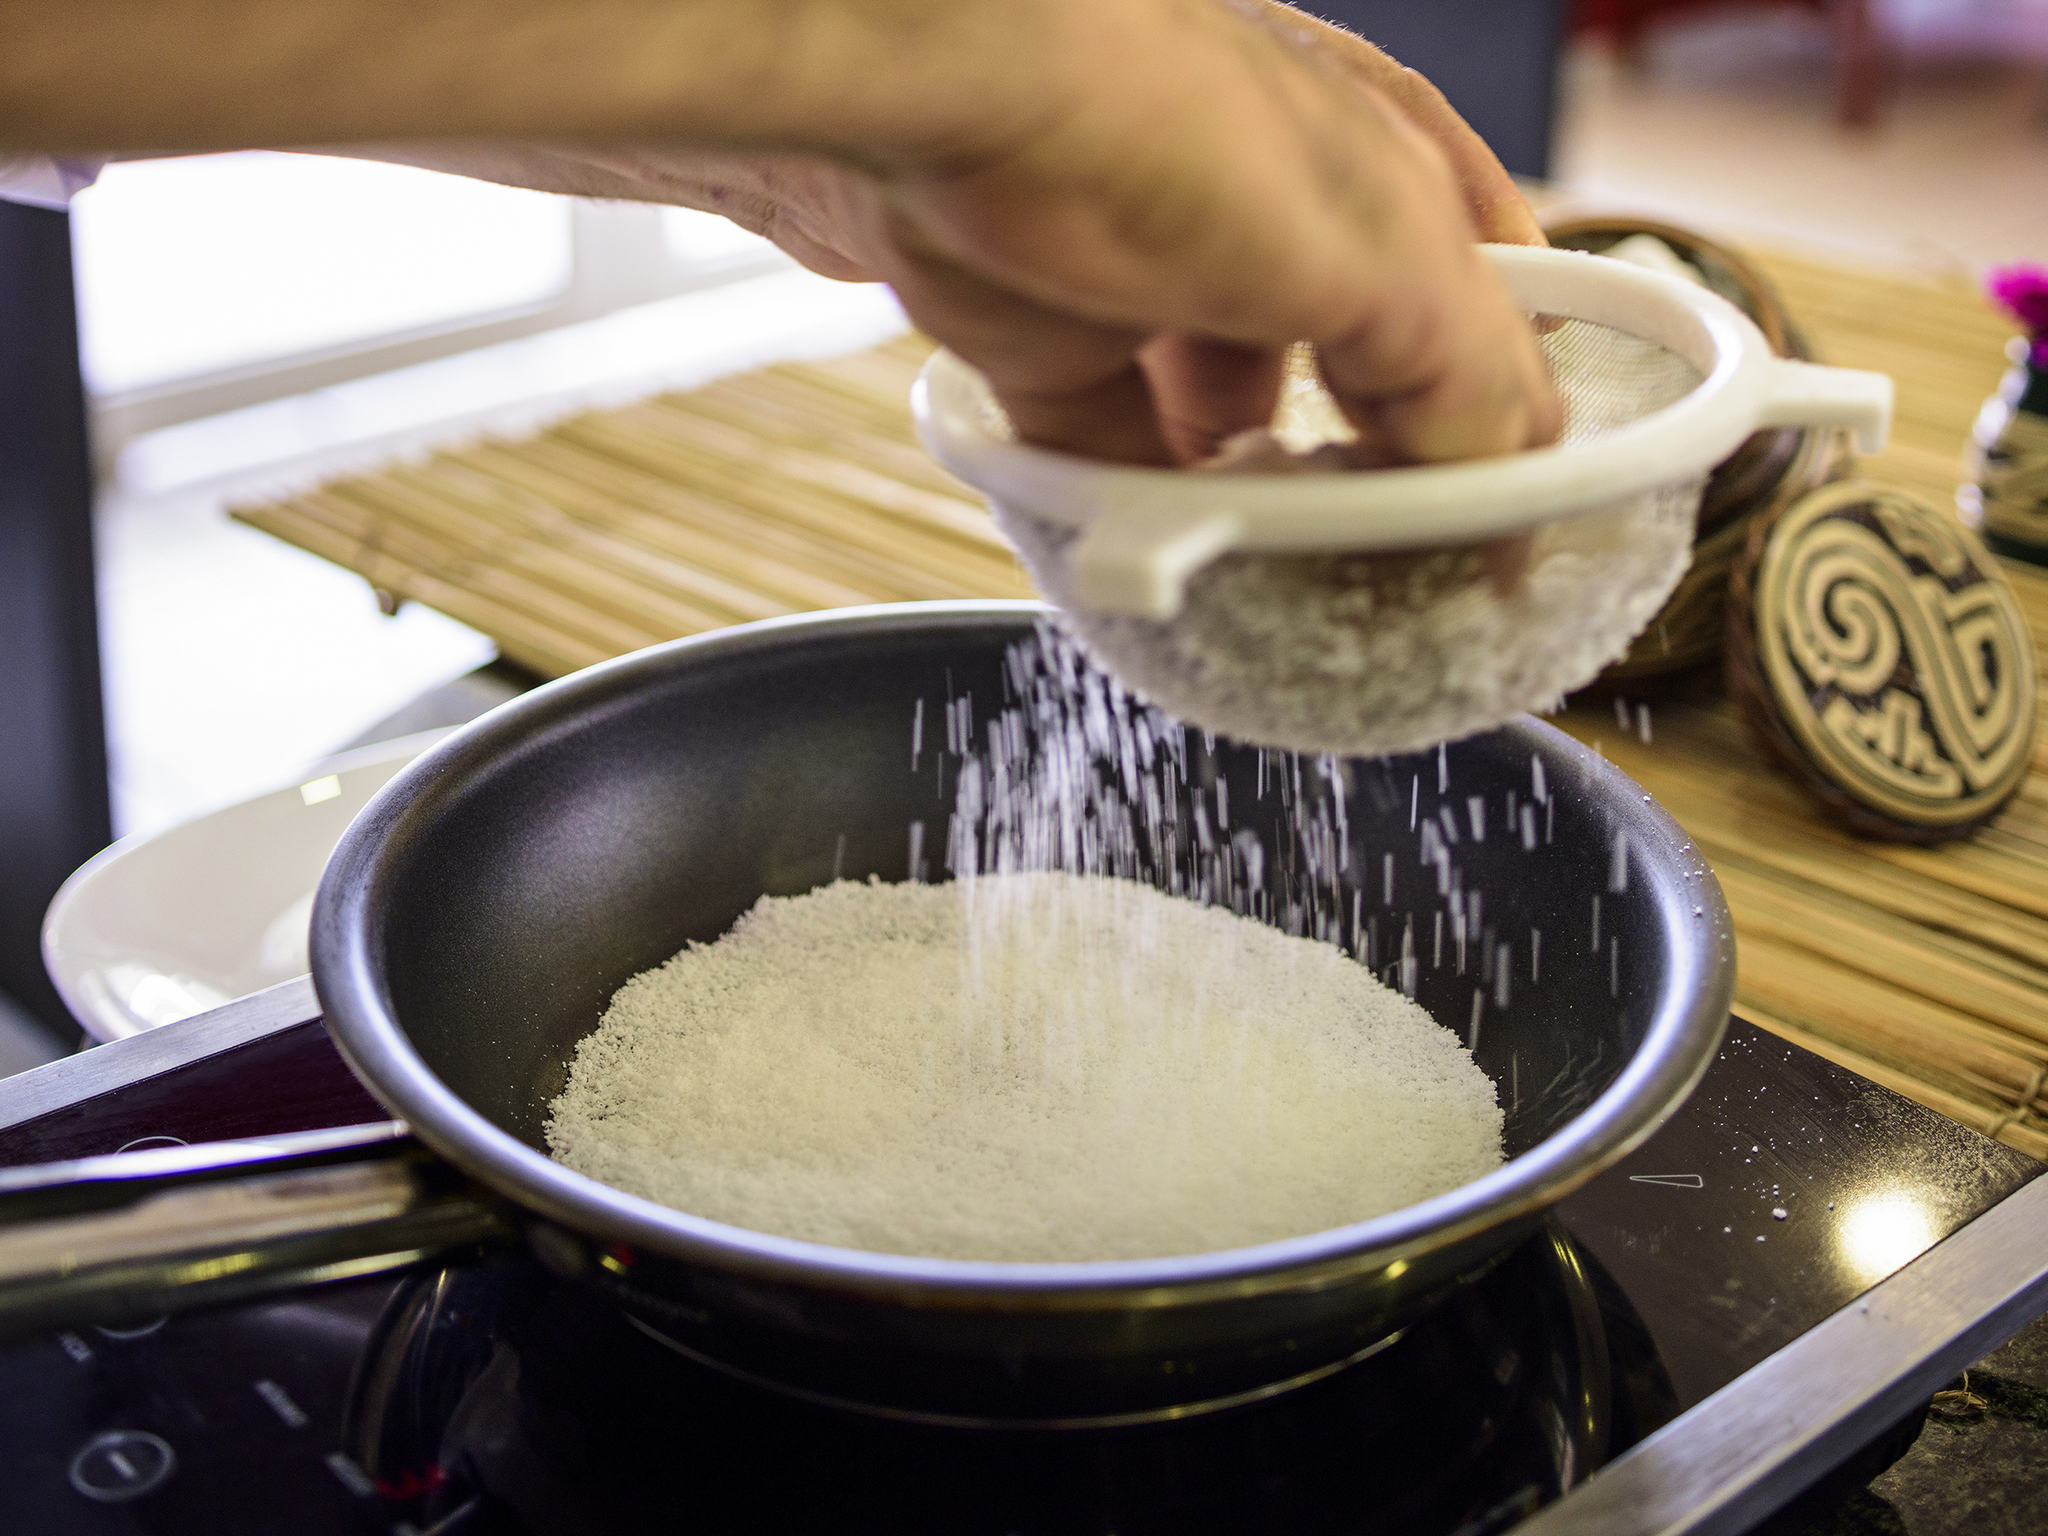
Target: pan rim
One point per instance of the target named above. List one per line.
(1678, 1044)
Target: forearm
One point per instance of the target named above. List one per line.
(534, 167)
(870, 77)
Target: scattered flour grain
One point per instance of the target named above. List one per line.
(1027, 1067)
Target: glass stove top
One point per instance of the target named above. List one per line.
(486, 1397)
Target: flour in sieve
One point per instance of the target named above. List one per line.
(1027, 1067)
(1371, 653)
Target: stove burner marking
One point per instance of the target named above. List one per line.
(1669, 1180)
(281, 1404)
(349, 1475)
(121, 1464)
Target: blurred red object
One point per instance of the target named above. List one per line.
(1859, 57)
(1623, 22)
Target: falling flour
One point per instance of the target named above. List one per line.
(1027, 1067)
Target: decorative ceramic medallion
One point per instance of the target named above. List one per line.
(1879, 651)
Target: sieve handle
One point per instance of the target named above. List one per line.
(1137, 559)
(1809, 395)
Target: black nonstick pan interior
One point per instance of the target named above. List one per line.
(572, 852)
(479, 915)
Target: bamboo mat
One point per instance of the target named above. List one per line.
(774, 492)
(801, 487)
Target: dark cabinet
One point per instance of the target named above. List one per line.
(1495, 59)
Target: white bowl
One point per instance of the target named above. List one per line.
(164, 925)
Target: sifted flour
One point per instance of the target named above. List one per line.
(1032, 1067)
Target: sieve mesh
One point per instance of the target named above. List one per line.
(1607, 378)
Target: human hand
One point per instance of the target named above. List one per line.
(1163, 204)
(1120, 210)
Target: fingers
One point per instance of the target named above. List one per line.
(1101, 391)
(1205, 391)
(1108, 418)
(1498, 209)
(1065, 383)
(1440, 363)
(1454, 376)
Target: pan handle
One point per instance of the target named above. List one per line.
(134, 1235)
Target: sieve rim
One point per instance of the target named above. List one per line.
(1415, 505)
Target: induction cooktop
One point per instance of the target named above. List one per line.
(1768, 1288)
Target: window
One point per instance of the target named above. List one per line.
(215, 282)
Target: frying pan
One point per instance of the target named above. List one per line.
(481, 911)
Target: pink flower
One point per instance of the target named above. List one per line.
(2021, 292)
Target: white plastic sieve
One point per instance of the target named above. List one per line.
(1384, 610)
(1146, 531)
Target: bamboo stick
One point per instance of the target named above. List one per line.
(856, 446)
(571, 566)
(674, 522)
(520, 637)
(1739, 805)
(1938, 1041)
(1881, 924)
(667, 444)
(1986, 869)
(562, 470)
(1902, 954)
(893, 453)
(602, 546)
(449, 567)
(937, 565)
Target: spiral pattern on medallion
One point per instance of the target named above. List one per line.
(1897, 656)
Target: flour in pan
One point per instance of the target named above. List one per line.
(1030, 1067)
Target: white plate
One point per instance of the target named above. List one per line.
(159, 927)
